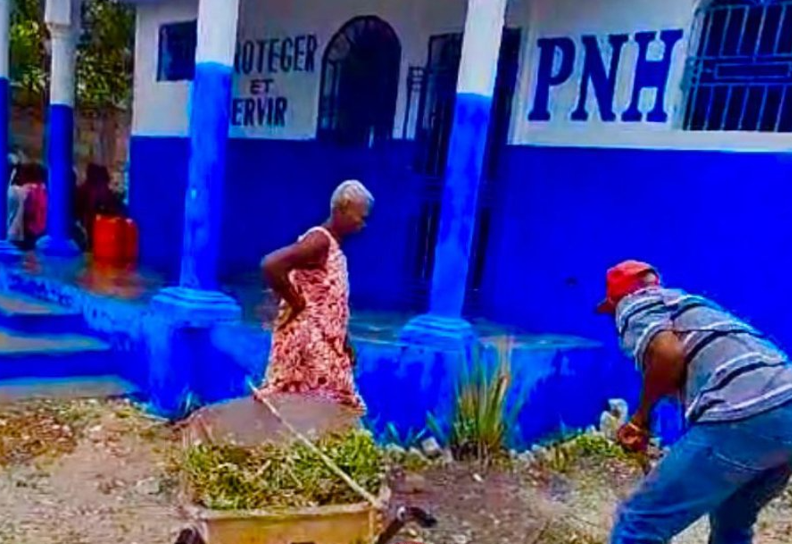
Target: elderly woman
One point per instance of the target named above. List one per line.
(310, 351)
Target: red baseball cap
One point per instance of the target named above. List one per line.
(623, 279)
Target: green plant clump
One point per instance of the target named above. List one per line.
(599, 447)
(481, 420)
(562, 456)
(276, 476)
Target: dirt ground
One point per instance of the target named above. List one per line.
(95, 472)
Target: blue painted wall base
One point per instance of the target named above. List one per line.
(458, 210)
(439, 332)
(180, 367)
(278, 202)
(58, 247)
(194, 307)
(179, 346)
(9, 252)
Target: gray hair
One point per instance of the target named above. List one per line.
(348, 192)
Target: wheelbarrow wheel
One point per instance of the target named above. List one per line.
(190, 535)
(404, 515)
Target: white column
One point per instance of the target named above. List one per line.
(63, 21)
(209, 122)
(481, 43)
(5, 30)
(217, 31)
(196, 302)
(63, 64)
(464, 168)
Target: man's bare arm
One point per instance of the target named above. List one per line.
(664, 374)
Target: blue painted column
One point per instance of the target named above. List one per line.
(193, 307)
(63, 20)
(475, 85)
(7, 249)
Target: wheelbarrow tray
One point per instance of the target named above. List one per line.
(247, 422)
(357, 523)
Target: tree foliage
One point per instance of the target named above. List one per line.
(104, 52)
(28, 70)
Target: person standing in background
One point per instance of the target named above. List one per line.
(16, 197)
(95, 197)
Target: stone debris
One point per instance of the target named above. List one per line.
(414, 483)
(149, 486)
(619, 409)
(431, 448)
(447, 457)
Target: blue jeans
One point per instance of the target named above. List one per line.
(728, 471)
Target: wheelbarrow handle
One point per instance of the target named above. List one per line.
(404, 515)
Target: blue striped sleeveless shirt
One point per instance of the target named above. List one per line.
(733, 371)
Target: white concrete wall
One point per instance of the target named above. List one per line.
(160, 106)
(573, 18)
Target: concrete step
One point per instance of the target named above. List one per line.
(30, 315)
(79, 387)
(53, 356)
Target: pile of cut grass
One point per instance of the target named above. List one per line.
(278, 476)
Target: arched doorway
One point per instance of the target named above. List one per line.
(360, 83)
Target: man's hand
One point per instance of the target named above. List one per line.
(633, 437)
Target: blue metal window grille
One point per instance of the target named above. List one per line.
(739, 74)
(176, 60)
(360, 83)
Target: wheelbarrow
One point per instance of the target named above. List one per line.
(359, 523)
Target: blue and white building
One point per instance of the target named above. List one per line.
(617, 129)
(516, 150)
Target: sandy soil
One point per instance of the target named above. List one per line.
(91, 472)
(106, 482)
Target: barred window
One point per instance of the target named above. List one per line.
(740, 71)
(177, 42)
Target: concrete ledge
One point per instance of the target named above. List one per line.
(565, 380)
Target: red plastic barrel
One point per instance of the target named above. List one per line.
(106, 238)
(115, 240)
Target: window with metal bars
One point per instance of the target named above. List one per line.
(739, 73)
(360, 83)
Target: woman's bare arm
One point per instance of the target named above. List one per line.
(310, 252)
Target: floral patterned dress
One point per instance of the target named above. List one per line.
(308, 355)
